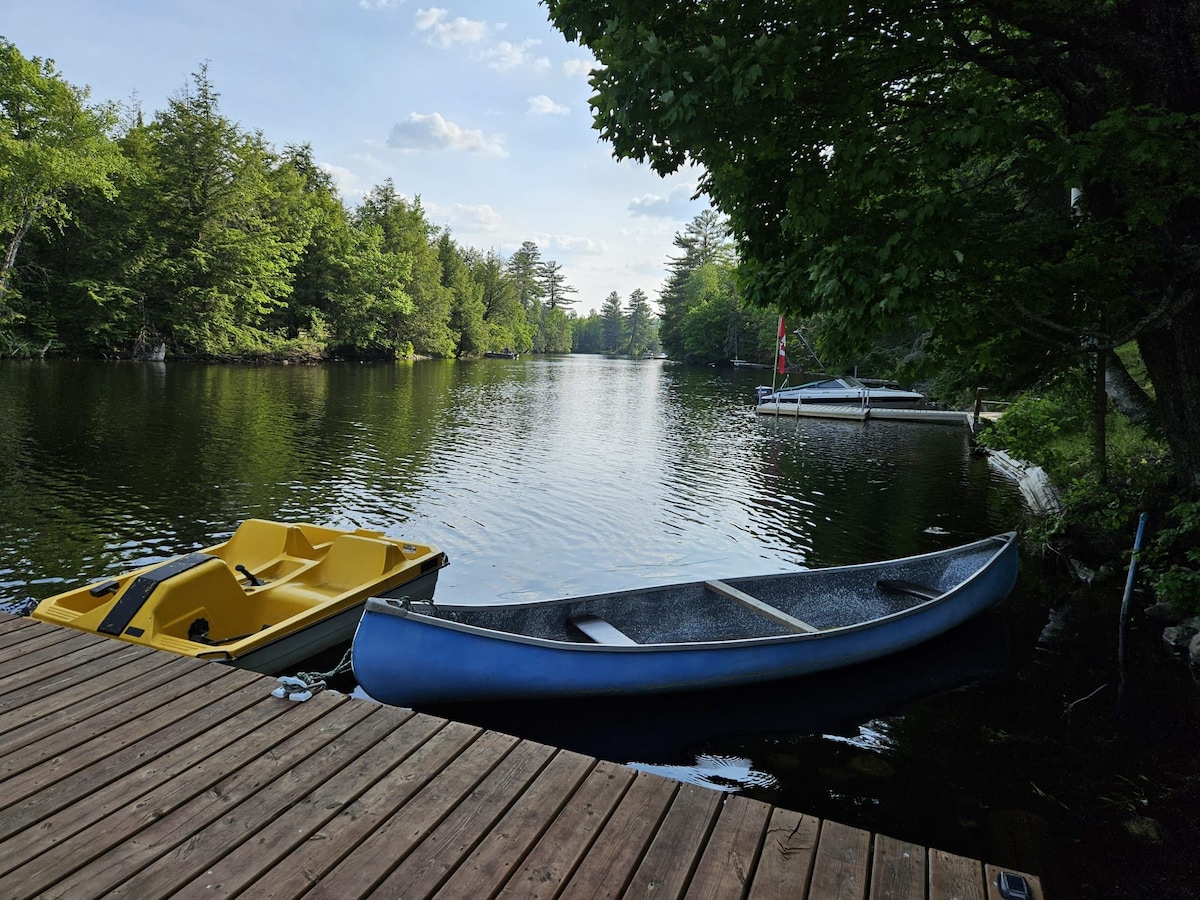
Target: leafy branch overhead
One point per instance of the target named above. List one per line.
(885, 164)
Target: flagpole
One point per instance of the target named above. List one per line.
(775, 367)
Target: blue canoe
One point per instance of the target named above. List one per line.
(675, 637)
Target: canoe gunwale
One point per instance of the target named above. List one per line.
(400, 609)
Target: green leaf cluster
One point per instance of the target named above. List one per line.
(887, 166)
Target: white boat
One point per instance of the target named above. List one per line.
(843, 391)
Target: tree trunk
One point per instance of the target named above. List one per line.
(1125, 393)
(1172, 357)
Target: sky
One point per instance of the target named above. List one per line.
(479, 108)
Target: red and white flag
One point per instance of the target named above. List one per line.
(782, 356)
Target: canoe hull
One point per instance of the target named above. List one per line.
(407, 658)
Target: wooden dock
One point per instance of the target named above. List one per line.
(128, 772)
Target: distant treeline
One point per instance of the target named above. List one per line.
(124, 236)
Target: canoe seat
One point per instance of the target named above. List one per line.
(602, 632)
(766, 610)
(899, 586)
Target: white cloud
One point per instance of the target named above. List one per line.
(432, 132)
(579, 67)
(380, 4)
(582, 245)
(348, 183)
(506, 55)
(678, 204)
(468, 217)
(542, 105)
(443, 32)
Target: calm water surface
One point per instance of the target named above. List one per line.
(570, 475)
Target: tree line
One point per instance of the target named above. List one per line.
(123, 235)
(188, 232)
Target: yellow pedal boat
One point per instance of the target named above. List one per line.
(272, 595)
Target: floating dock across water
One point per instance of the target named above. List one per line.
(862, 413)
(127, 771)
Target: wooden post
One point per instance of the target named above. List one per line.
(979, 392)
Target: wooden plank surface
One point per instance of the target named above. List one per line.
(732, 850)
(953, 877)
(126, 772)
(667, 865)
(618, 850)
(786, 860)
(490, 864)
(550, 863)
(897, 870)
(840, 869)
(306, 866)
(422, 873)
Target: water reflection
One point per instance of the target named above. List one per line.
(548, 477)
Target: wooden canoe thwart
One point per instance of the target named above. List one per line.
(676, 637)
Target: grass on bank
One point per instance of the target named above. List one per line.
(1052, 426)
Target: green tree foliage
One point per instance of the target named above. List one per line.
(525, 272)
(612, 324)
(467, 306)
(586, 333)
(53, 148)
(507, 327)
(223, 246)
(704, 240)
(884, 163)
(556, 290)
(406, 232)
(639, 324)
(189, 231)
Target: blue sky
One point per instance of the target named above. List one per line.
(480, 108)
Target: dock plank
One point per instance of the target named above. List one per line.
(16, 648)
(190, 861)
(29, 634)
(325, 848)
(58, 858)
(241, 865)
(953, 877)
(394, 838)
(127, 772)
(490, 864)
(164, 831)
(786, 860)
(552, 860)
(617, 852)
(43, 679)
(10, 623)
(731, 854)
(668, 863)
(897, 870)
(107, 747)
(73, 690)
(422, 872)
(133, 770)
(87, 719)
(840, 869)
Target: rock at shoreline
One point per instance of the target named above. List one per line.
(1167, 613)
(1178, 638)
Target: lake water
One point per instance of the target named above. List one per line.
(555, 476)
